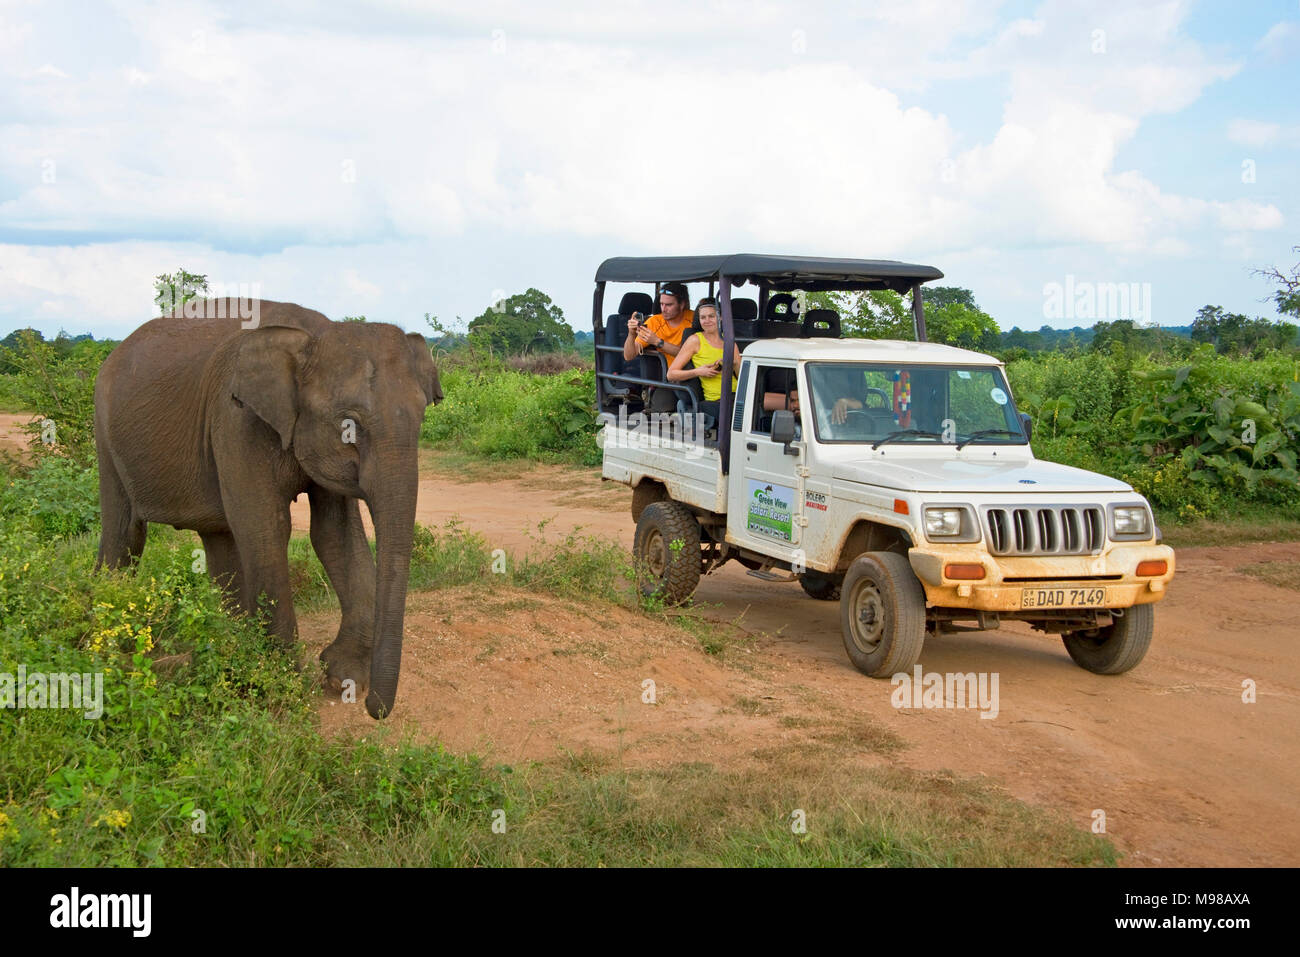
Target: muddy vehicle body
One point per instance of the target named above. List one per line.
(896, 477)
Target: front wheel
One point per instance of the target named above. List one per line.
(666, 550)
(882, 614)
(1117, 647)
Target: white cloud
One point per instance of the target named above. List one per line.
(399, 124)
(1253, 132)
(1281, 39)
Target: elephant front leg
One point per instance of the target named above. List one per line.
(339, 539)
(260, 527)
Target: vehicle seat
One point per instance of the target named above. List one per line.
(616, 335)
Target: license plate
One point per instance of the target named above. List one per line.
(1062, 598)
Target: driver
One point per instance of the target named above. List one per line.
(844, 390)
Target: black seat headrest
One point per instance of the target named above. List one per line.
(781, 307)
(640, 302)
(821, 323)
(744, 310)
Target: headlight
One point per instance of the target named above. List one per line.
(1130, 520)
(942, 522)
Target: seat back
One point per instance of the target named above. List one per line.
(641, 302)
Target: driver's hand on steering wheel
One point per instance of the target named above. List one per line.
(840, 413)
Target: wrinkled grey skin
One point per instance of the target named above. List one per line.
(202, 424)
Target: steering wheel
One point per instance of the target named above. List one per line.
(886, 403)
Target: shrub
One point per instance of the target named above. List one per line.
(500, 413)
(55, 498)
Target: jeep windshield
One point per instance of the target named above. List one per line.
(879, 404)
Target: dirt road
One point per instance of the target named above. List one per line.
(1184, 770)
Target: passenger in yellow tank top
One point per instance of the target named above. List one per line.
(704, 352)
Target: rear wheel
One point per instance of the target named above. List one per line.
(1117, 647)
(666, 550)
(820, 587)
(882, 614)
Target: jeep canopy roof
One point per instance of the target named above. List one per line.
(781, 273)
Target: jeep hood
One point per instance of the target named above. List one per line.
(917, 474)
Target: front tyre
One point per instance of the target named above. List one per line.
(1117, 647)
(666, 551)
(882, 614)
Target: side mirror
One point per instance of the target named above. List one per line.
(783, 429)
(1027, 424)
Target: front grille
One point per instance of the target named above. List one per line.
(1045, 529)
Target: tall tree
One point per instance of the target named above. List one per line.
(525, 322)
(177, 288)
(1287, 294)
(936, 297)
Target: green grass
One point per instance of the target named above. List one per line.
(1282, 574)
(585, 812)
(1248, 524)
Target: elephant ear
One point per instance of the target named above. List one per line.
(266, 375)
(425, 371)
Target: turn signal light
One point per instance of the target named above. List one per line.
(967, 572)
(1153, 567)
(900, 506)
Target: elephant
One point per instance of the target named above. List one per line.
(208, 421)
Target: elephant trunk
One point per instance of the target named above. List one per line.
(393, 511)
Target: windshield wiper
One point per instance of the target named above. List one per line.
(901, 432)
(984, 432)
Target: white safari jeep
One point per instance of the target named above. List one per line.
(900, 480)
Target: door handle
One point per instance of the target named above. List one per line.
(752, 446)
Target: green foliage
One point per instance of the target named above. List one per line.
(59, 386)
(874, 314)
(495, 411)
(1213, 434)
(201, 713)
(1225, 437)
(938, 297)
(578, 566)
(172, 290)
(525, 322)
(1231, 332)
(55, 498)
(960, 325)
(1287, 294)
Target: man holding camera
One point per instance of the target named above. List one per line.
(662, 332)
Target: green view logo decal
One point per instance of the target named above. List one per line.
(769, 511)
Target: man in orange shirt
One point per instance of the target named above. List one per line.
(662, 331)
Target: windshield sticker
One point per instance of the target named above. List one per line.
(963, 374)
(999, 396)
(769, 510)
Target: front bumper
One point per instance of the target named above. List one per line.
(1005, 579)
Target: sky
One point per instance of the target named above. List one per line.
(392, 159)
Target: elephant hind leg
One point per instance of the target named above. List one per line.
(222, 557)
(122, 535)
